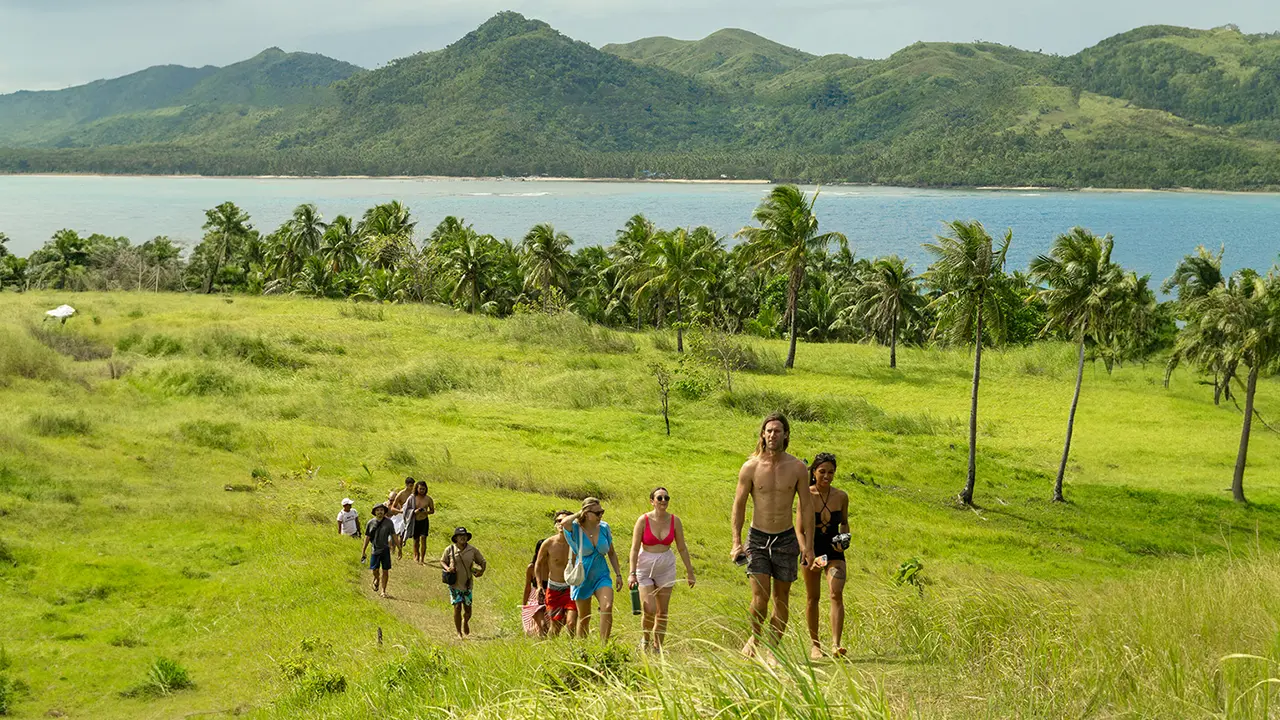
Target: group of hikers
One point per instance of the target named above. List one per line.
(799, 524)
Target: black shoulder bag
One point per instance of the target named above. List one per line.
(449, 577)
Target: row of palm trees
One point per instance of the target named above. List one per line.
(785, 277)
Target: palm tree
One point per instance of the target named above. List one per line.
(61, 261)
(886, 297)
(1084, 295)
(786, 239)
(968, 274)
(341, 245)
(225, 227)
(1194, 278)
(305, 231)
(471, 266)
(1240, 320)
(386, 234)
(545, 260)
(629, 251)
(681, 267)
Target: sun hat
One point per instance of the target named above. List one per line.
(382, 505)
(589, 501)
(347, 501)
(460, 530)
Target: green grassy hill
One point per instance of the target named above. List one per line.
(183, 510)
(515, 97)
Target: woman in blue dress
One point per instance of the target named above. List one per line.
(588, 534)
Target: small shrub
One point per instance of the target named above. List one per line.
(65, 342)
(164, 677)
(693, 382)
(608, 664)
(8, 692)
(58, 425)
(22, 358)
(424, 380)
(359, 311)
(199, 380)
(257, 351)
(215, 436)
(414, 667)
(402, 457)
(318, 682)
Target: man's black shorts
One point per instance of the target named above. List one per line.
(776, 555)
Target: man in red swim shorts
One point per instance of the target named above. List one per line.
(553, 591)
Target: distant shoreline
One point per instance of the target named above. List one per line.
(668, 181)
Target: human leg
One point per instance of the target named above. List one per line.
(758, 609)
(604, 596)
(457, 619)
(812, 594)
(466, 618)
(660, 622)
(649, 608)
(584, 616)
(835, 585)
(781, 610)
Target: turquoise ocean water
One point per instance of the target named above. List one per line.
(1152, 229)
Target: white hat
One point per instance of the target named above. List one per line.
(347, 501)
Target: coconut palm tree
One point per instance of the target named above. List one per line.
(968, 274)
(61, 262)
(470, 267)
(306, 232)
(340, 246)
(545, 260)
(681, 266)
(226, 226)
(787, 239)
(386, 235)
(886, 298)
(1085, 293)
(1194, 278)
(1238, 320)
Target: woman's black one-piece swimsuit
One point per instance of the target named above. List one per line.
(824, 532)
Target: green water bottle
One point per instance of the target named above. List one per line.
(635, 599)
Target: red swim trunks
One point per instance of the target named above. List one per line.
(558, 603)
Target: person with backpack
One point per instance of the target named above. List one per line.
(380, 532)
(591, 541)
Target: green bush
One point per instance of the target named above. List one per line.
(51, 424)
(164, 677)
(7, 692)
(257, 351)
(424, 380)
(416, 666)
(318, 682)
(215, 436)
(198, 380)
(66, 342)
(22, 358)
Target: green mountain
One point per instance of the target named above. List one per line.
(515, 97)
(731, 56)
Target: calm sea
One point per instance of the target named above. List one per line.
(1152, 229)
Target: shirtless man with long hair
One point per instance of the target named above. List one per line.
(774, 480)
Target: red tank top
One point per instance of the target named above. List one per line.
(650, 539)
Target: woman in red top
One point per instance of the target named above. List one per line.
(654, 565)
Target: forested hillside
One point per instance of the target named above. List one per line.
(1155, 107)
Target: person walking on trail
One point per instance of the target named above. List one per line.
(774, 480)
(396, 502)
(653, 565)
(831, 533)
(553, 591)
(591, 541)
(348, 520)
(418, 509)
(380, 532)
(466, 560)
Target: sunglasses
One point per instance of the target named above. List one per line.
(662, 498)
(597, 512)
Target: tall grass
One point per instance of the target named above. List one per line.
(835, 410)
(22, 358)
(565, 331)
(69, 343)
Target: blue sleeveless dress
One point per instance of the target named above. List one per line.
(595, 560)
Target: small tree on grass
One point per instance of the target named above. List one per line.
(718, 347)
(663, 376)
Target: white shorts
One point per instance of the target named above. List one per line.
(657, 569)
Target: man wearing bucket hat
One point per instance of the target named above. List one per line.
(381, 533)
(466, 562)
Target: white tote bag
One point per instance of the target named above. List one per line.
(576, 573)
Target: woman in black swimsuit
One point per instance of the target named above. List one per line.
(830, 519)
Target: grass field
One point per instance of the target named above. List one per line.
(167, 505)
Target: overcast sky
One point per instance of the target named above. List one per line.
(58, 43)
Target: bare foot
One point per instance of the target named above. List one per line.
(766, 656)
(383, 594)
(815, 652)
(749, 650)
(841, 652)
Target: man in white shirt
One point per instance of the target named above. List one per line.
(348, 520)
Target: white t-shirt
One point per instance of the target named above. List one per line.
(350, 522)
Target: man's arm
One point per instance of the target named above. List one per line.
(479, 561)
(804, 514)
(740, 506)
(364, 551)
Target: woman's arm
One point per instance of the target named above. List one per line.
(844, 526)
(637, 537)
(684, 550)
(566, 523)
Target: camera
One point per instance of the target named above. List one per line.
(842, 541)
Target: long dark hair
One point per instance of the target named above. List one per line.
(420, 484)
(786, 431)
